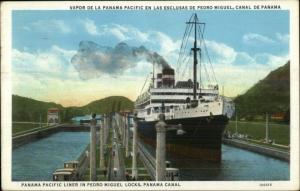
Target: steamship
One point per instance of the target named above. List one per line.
(201, 110)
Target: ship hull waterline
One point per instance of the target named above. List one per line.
(201, 141)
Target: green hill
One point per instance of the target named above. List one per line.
(110, 104)
(27, 109)
(272, 95)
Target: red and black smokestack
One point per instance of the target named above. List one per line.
(168, 79)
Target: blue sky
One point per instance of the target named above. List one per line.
(244, 46)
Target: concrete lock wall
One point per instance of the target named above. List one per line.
(259, 149)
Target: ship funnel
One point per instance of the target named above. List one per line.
(168, 79)
(159, 80)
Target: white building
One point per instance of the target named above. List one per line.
(53, 116)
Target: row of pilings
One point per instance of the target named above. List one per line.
(121, 125)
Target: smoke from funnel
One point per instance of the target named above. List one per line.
(93, 60)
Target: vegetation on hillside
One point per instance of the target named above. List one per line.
(272, 95)
(27, 109)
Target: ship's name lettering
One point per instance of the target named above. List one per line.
(109, 7)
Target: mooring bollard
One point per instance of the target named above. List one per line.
(101, 137)
(134, 151)
(93, 148)
(160, 148)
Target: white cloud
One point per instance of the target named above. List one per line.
(142, 68)
(67, 54)
(166, 43)
(121, 32)
(49, 26)
(224, 53)
(55, 61)
(270, 60)
(243, 58)
(90, 27)
(253, 38)
(284, 38)
(166, 46)
(124, 32)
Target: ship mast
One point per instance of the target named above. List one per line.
(195, 49)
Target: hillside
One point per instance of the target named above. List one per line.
(26, 109)
(110, 104)
(272, 95)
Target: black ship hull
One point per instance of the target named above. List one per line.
(201, 141)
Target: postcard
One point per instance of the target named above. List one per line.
(150, 95)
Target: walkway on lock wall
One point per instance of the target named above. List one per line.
(117, 170)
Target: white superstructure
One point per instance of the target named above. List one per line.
(177, 104)
(185, 99)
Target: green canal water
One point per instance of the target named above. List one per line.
(36, 161)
